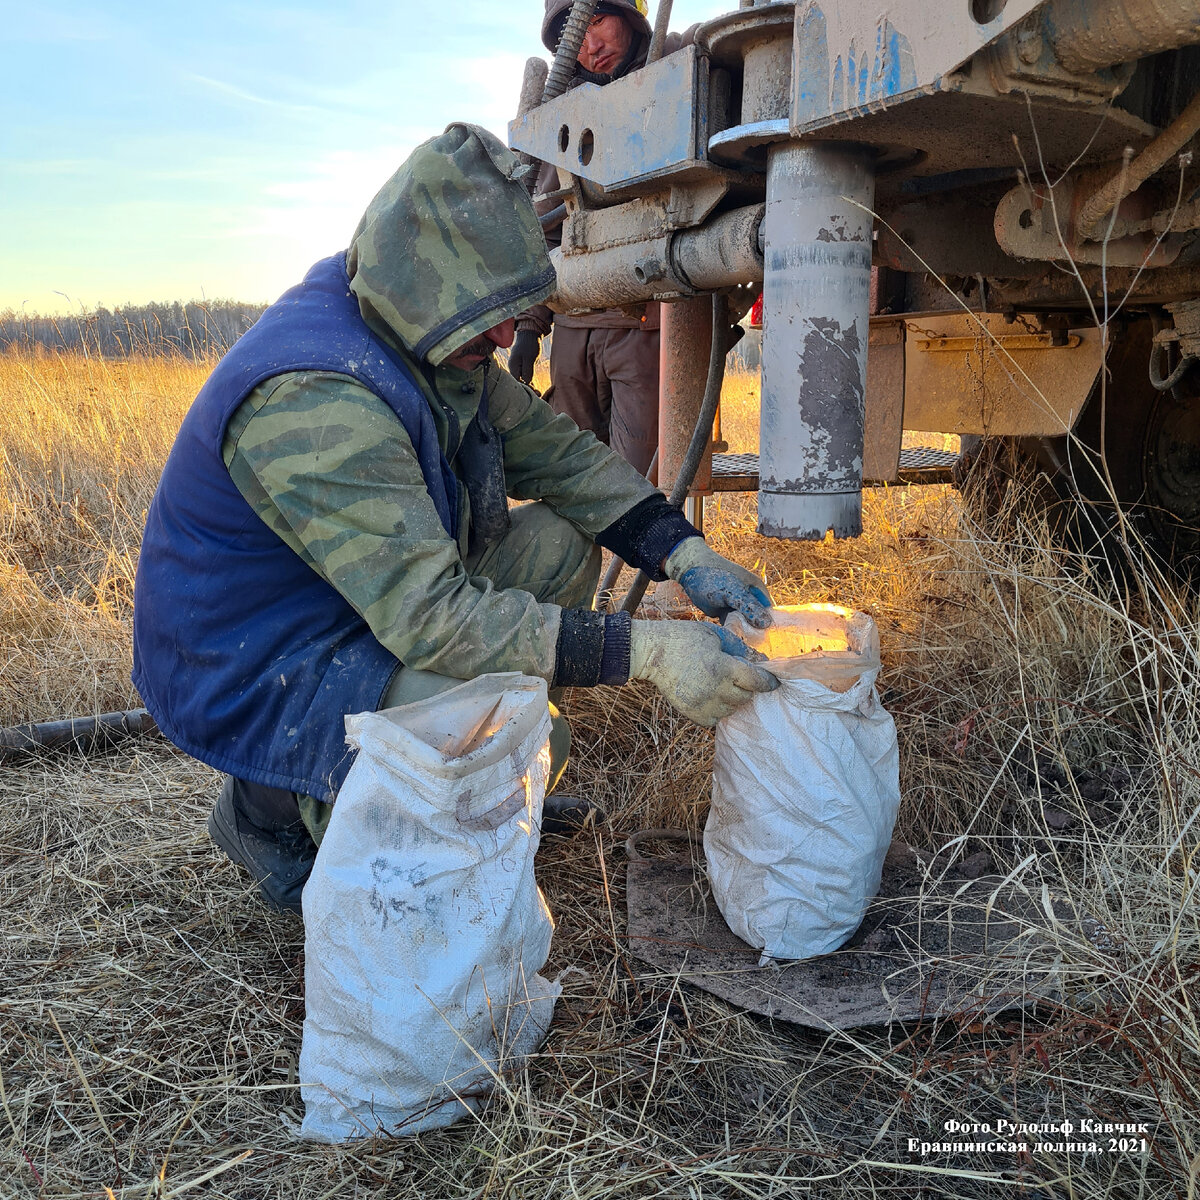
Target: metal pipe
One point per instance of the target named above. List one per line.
(662, 18)
(1087, 35)
(567, 53)
(720, 254)
(701, 435)
(726, 250)
(79, 733)
(533, 83)
(1127, 181)
(685, 327)
(816, 297)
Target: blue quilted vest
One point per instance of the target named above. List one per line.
(245, 657)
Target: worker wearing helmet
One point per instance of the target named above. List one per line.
(603, 365)
(332, 532)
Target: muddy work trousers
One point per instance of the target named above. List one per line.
(606, 380)
(543, 554)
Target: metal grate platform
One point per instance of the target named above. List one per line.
(739, 472)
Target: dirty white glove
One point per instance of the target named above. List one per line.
(717, 586)
(703, 670)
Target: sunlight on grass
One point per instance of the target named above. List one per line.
(1046, 713)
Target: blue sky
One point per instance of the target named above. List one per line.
(174, 152)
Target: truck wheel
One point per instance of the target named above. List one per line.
(1151, 454)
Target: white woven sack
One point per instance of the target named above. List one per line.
(424, 926)
(806, 788)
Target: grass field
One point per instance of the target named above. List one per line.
(151, 1009)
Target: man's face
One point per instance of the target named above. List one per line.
(605, 44)
(472, 355)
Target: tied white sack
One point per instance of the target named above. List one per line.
(424, 926)
(806, 787)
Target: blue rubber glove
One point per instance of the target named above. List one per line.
(717, 586)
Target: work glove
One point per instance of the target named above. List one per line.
(523, 354)
(717, 586)
(703, 670)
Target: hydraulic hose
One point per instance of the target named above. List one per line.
(1153, 158)
(567, 54)
(700, 435)
(603, 599)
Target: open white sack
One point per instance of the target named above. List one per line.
(424, 926)
(806, 787)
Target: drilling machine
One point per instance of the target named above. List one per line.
(958, 214)
(975, 217)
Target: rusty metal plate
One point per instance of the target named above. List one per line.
(883, 419)
(924, 949)
(978, 373)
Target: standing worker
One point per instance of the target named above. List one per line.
(603, 365)
(332, 533)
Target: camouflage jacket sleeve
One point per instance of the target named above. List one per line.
(364, 522)
(548, 457)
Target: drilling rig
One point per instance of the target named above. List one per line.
(976, 217)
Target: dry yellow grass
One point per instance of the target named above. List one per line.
(82, 441)
(151, 1013)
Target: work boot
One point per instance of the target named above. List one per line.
(565, 816)
(260, 828)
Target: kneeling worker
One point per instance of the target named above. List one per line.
(332, 532)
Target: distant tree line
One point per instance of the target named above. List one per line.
(193, 330)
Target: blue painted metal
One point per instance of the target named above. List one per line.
(647, 124)
(850, 59)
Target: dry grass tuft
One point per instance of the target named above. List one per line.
(151, 1015)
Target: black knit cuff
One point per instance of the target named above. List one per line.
(614, 664)
(647, 533)
(592, 648)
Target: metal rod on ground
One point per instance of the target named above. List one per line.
(567, 54)
(80, 733)
(603, 599)
(662, 18)
(702, 433)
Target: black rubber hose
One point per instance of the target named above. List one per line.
(554, 217)
(701, 435)
(615, 565)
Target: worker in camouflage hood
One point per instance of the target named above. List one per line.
(603, 365)
(332, 534)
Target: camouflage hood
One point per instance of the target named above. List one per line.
(450, 246)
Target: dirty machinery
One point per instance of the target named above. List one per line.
(957, 214)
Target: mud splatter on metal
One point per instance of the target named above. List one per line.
(817, 275)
